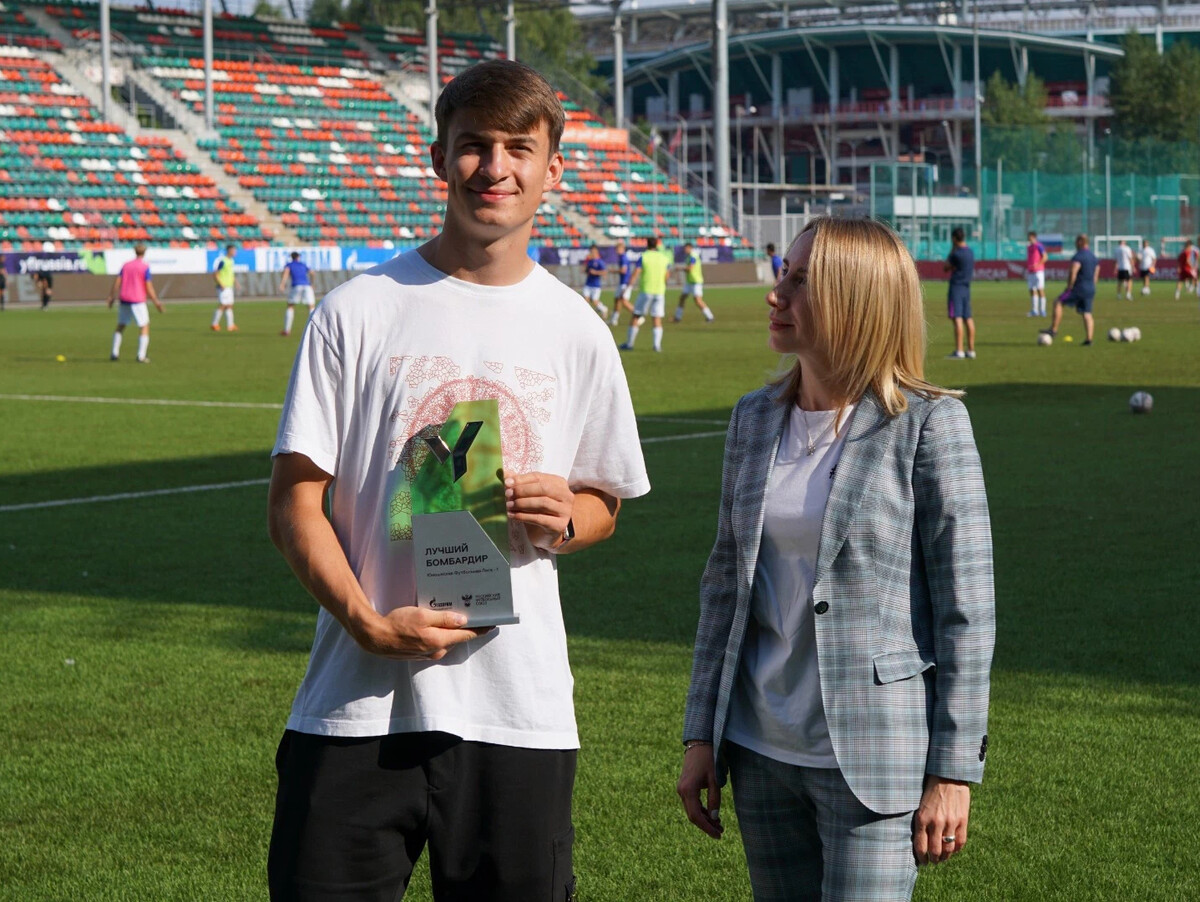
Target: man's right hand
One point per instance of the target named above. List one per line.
(700, 773)
(411, 633)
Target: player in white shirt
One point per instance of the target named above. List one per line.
(1146, 265)
(1124, 260)
(409, 728)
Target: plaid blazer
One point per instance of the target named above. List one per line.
(903, 597)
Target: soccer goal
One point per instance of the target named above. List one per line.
(1106, 245)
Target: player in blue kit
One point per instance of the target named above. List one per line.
(625, 266)
(593, 283)
(298, 273)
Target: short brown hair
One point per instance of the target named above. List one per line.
(507, 95)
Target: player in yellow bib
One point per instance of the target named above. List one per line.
(693, 284)
(653, 268)
(223, 278)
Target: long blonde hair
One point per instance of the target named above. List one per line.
(865, 314)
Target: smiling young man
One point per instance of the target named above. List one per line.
(410, 729)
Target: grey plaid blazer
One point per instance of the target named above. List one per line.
(903, 597)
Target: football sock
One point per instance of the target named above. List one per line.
(143, 344)
(633, 331)
(678, 315)
(657, 333)
(229, 316)
(116, 348)
(708, 314)
(289, 318)
(217, 317)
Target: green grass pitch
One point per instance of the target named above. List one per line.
(151, 646)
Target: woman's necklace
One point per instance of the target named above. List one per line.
(810, 443)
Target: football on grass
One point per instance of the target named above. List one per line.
(1141, 402)
(1045, 338)
(1114, 334)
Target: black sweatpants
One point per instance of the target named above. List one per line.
(352, 816)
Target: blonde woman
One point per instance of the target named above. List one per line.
(846, 614)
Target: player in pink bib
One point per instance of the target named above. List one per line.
(133, 285)
(1035, 275)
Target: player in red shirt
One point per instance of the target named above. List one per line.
(1187, 269)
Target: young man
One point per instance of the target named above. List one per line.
(1187, 269)
(1035, 275)
(223, 278)
(408, 728)
(593, 280)
(44, 282)
(301, 292)
(132, 286)
(1081, 289)
(961, 266)
(693, 284)
(1146, 265)
(625, 266)
(776, 263)
(1124, 261)
(652, 270)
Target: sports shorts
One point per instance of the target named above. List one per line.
(650, 305)
(301, 294)
(225, 297)
(1036, 280)
(693, 289)
(591, 292)
(958, 302)
(1124, 275)
(133, 312)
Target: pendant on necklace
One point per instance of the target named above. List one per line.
(812, 448)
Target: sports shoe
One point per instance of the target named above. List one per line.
(625, 347)
(970, 355)
(216, 327)
(143, 360)
(1086, 343)
(956, 355)
(1049, 332)
(285, 333)
(113, 357)
(615, 320)
(232, 329)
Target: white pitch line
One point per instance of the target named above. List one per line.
(153, 402)
(216, 486)
(682, 420)
(125, 496)
(680, 438)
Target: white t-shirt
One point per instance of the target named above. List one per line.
(1124, 257)
(1148, 257)
(776, 709)
(387, 354)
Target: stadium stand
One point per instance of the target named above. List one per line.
(17, 31)
(174, 33)
(406, 47)
(71, 180)
(327, 149)
(622, 193)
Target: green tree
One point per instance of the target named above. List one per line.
(1135, 83)
(1016, 127)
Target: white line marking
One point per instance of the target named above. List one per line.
(125, 496)
(680, 438)
(683, 420)
(216, 486)
(155, 402)
(259, 405)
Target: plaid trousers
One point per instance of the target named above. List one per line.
(809, 839)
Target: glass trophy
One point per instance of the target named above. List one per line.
(460, 519)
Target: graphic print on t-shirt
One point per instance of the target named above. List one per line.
(435, 385)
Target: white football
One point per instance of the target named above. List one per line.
(1137, 334)
(1114, 334)
(1045, 338)
(1141, 402)
(1126, 335)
